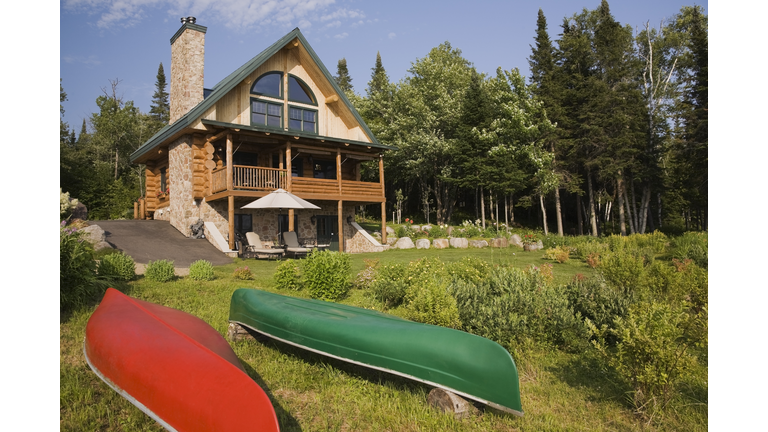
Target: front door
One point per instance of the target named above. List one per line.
(327, 229)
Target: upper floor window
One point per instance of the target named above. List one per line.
(269, 84)
(298, 91)
(266, 113)
(302, 119)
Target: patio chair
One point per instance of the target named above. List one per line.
(292, 245)
(255, 247)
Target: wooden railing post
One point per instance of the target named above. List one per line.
(383, 203)
(338, 168)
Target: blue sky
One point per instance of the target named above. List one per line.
(103, 40)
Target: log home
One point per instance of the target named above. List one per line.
(279, 121)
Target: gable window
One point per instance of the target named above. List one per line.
(302, 119)
(298, 91)
(266, 113)
(269, 84)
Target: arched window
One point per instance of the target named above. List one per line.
(269, 84)
(298, 91)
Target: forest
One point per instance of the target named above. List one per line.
(608, 134)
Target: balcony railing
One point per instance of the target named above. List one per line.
(268, 179)
(249, 178)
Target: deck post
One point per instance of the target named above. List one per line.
(338, 170)
(383, 203)
(288, 175)
(341, 227)
(231, 215)
(229, 163)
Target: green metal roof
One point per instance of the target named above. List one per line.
(231, 81)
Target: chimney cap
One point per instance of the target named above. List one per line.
(190, 20)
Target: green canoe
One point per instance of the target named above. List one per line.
(463, 363)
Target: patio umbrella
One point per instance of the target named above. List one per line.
(280, 199)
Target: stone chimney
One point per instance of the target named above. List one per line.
(187, 60)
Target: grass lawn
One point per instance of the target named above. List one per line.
(560, 391)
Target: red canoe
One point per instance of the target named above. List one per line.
(174, 367)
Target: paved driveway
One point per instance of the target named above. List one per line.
(151, 240)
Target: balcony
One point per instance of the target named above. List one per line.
(250, 178)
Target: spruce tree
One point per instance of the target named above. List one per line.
(379, 79)
(342, 76)
(160, 109)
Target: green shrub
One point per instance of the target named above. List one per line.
(593, 299)
(201, 270)
(594, 248)
(428, 301)
(326, 274)
(438, 231)
(692, 245)
(404, 231)
(117, 266)
(242, 273)
(653, 352)
(78, 279)
(288, 275)
(469, 269)
(517, 305)
(560, 254)
(366, 276)
(622, 270)
(160, 271)
(659, 280)
(389, 284)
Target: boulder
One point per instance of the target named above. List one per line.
(450, 230)
(516, 240)
(459, 242)
(93, 234)
(499, 242)
(449, 402)
(390, 231)
(426, 227)
(404, 243)
(478, 243)
(79, 212)
(440, 243)
(102, 245)
(422, 244)
(391, 240)
(415, 227)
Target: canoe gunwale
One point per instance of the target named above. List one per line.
(125, 394)
(434, 384)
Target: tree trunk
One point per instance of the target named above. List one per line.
(592, 215)
(506, 214)
(497, 215)
(626, 203)
(543, 214)
(658, 200)
(558, 213)
(511, 208)
(579, 219)
(645, 202)
(622, 222)
(116, 155)
(482, 206)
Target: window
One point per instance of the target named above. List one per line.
(324, 169)
(163, 180)
(269, 84)
(266, 113)
(298, 91)
(243, 223)
(282, 223)
(247, 159)
(297, 167)
(301, 119)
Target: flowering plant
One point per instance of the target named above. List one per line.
(162, 193)
(530, 239)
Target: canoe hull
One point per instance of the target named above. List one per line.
(466, 364)
(174, 367)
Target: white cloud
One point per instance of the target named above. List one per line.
(333, 24)
(237, 14)
(392, 36)
(343, 13)
(88, 61)
(341, 36)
